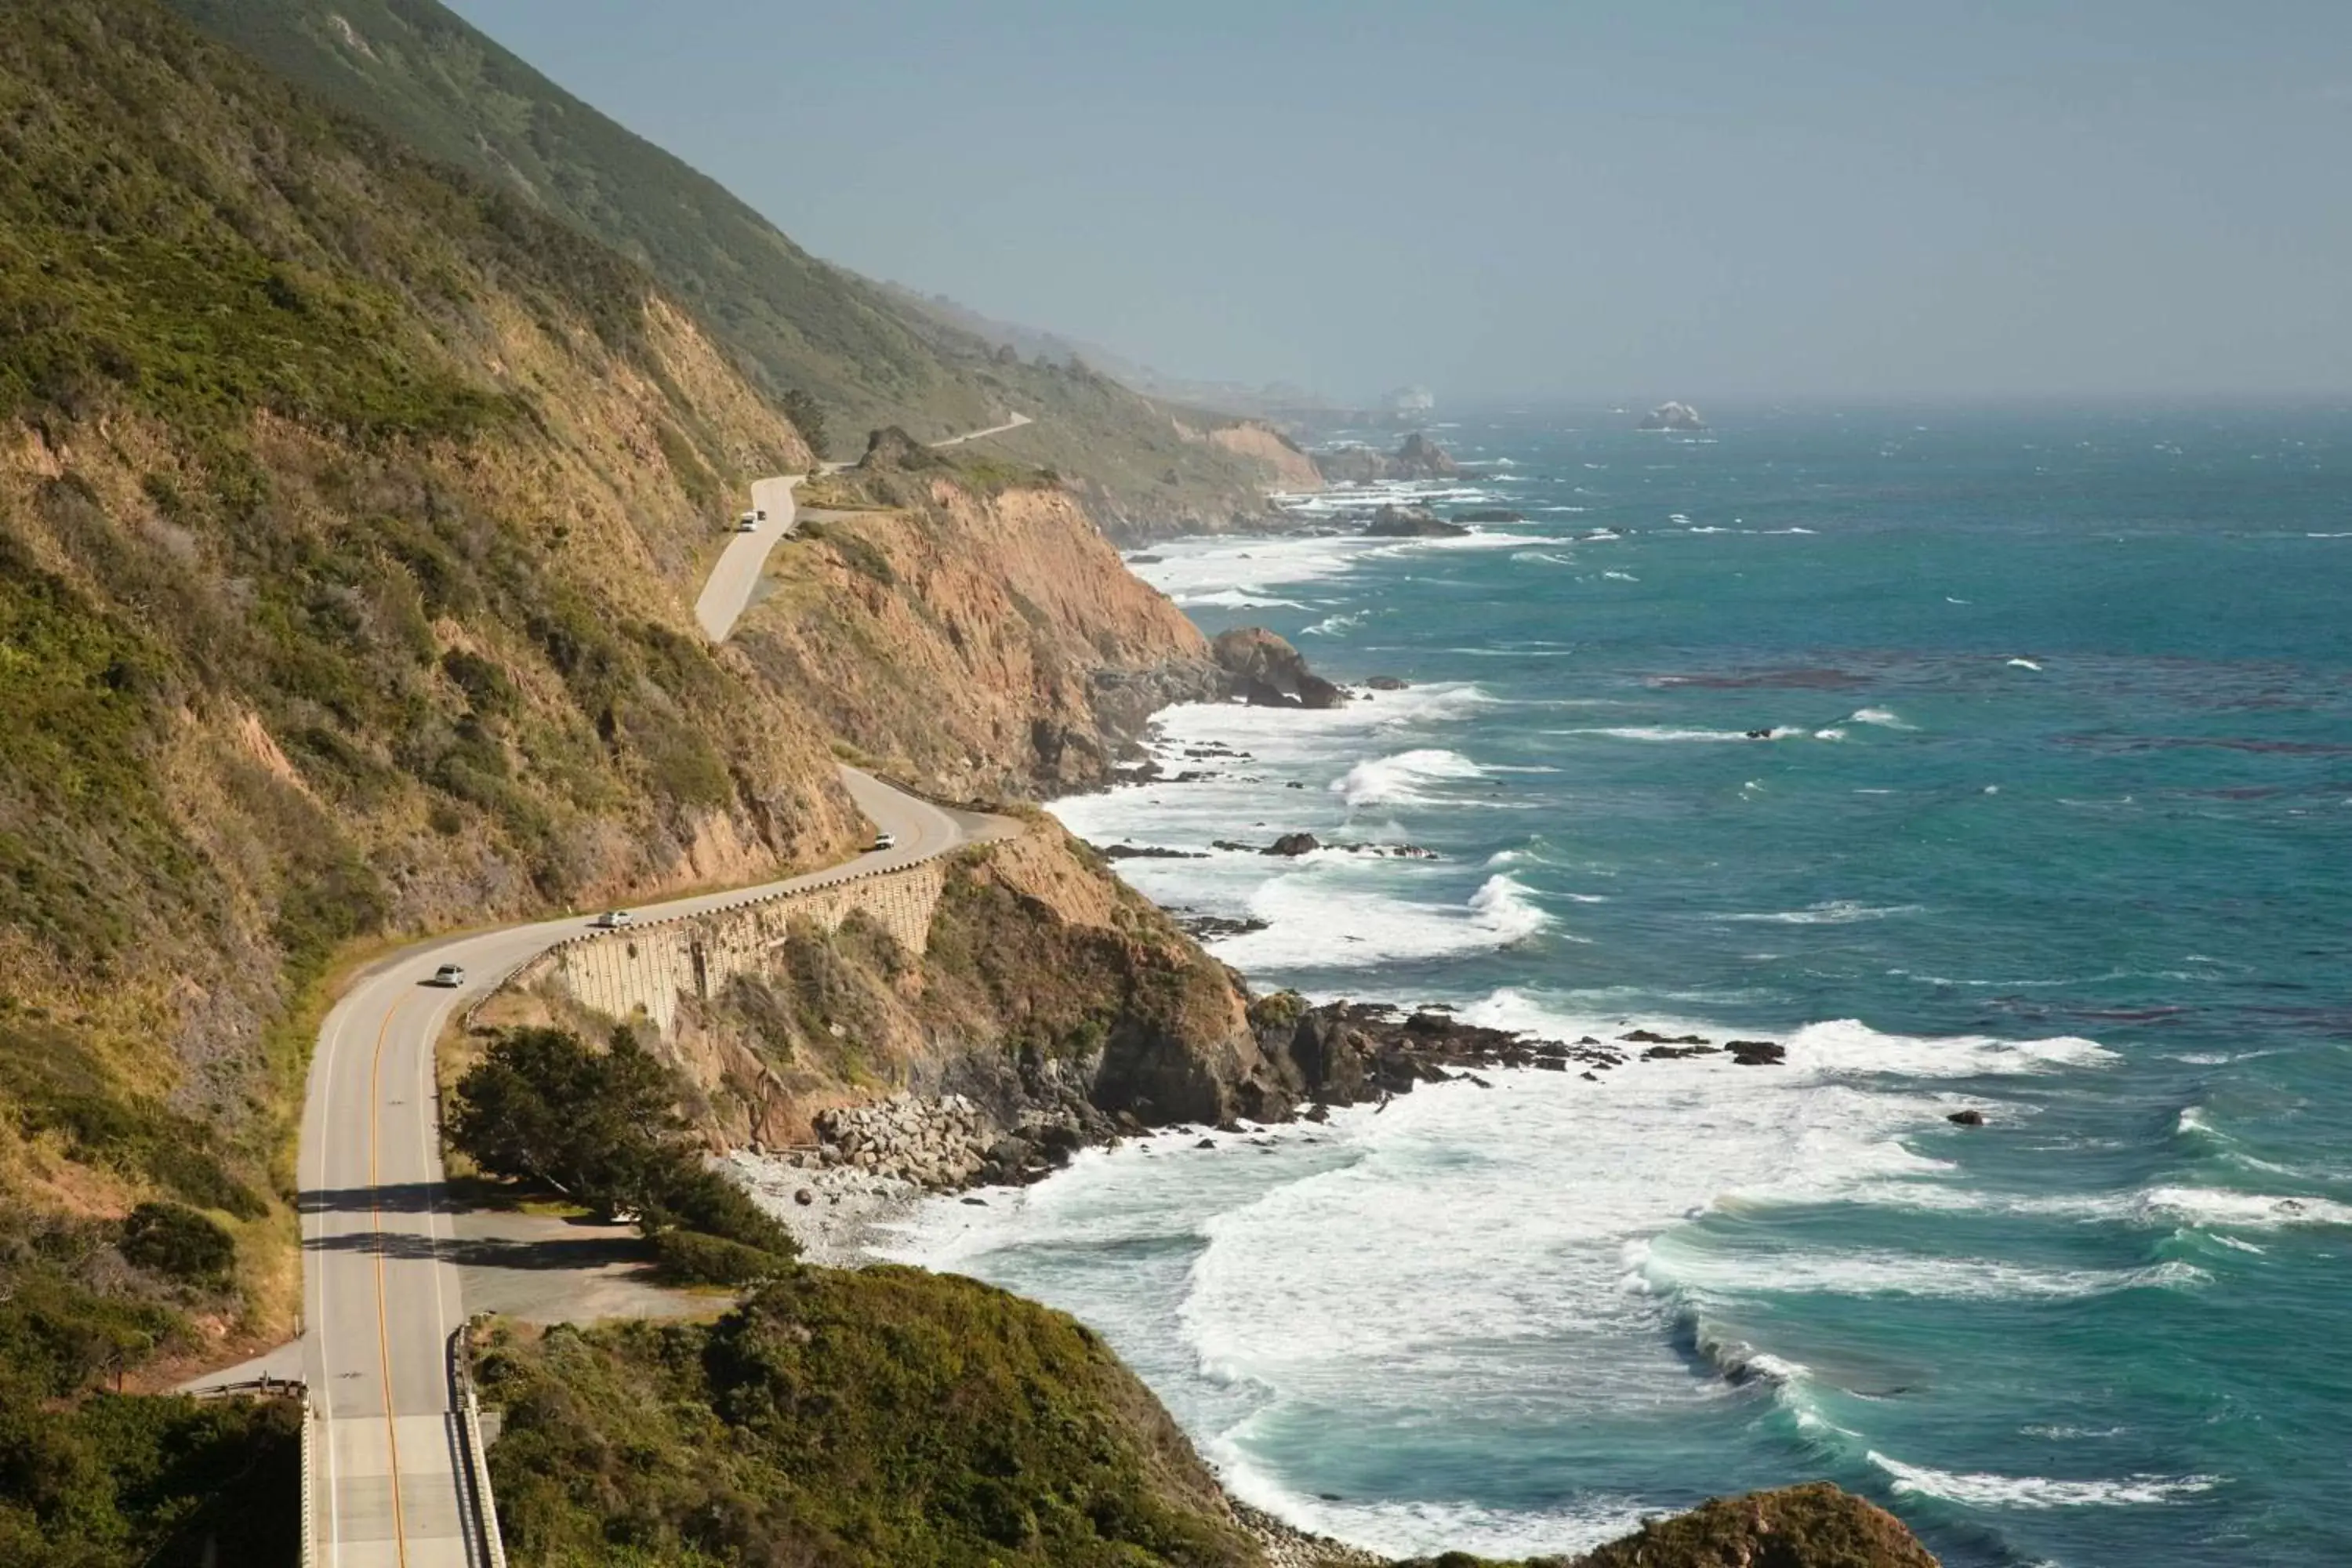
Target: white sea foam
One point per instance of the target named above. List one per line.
(1836, 913)
(1417, 1528)
(1620, 577)
(1658, 733)
(2257, 1211)
(1317, 921)
(1716, 1275)
(1885, 718)
(1404, 777)
(1416, 1238)
(1332, 625)
(1241, 598)
(2023, 664)
(2039, 1491)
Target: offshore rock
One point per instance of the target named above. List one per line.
(1411, 523)
(1265, 671)
(1673, 416)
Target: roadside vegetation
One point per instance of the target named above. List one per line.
(887, 1417)
(601, 1128)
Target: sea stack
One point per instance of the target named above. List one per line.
(1673, 416)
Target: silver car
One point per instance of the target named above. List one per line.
(450, 975)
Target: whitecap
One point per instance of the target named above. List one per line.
(1836, 912)
(1403, 778)
(1332, 625)
(1316, 921)
(1695, 1273)
(1657, 732)
(1884, 718)
(1981, 1490)
(2023, 664)
(1241, 598)
(2259, 1211)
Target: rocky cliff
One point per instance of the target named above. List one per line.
(1416, 457)
(967, 628)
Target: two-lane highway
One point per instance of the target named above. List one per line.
(728, 593)
(381, 1292)
(736, 577)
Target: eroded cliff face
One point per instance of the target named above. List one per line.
(1286, 467)
(981, 639)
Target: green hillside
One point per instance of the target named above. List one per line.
(795, 323)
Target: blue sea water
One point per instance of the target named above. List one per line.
(2053, 822)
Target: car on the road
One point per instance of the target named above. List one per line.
(614, 920)
(747, 523)
(885, 841)
(450, 975)
(762, 514)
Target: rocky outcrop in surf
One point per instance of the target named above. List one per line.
(1264, 670)
(1416, 457)
(1411, 523)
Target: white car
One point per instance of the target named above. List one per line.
(450, 975)
(614, 920)
(747, 524)
(885, 841)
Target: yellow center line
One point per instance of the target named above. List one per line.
(382, 1332)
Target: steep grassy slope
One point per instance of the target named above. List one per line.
(865, 356)
(346, 514)
(350, 516)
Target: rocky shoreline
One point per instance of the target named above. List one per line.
(873, 1163)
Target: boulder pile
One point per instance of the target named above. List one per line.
(936, 1144)
(947, 1143)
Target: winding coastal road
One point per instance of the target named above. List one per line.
(736, 577)
(728, 592)
(381, 1293)
(392, 1485)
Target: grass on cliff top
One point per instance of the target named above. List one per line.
(887, 1417)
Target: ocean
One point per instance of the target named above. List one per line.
(2050, 819)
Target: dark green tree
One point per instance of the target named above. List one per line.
(602, 1127)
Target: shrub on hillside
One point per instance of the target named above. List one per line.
(695, 1258)
(178, 1241)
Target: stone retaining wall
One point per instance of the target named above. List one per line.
(647, 969)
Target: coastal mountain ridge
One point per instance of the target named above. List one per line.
(799, 328)
(352, 509)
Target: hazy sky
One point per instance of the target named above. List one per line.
(1688, 198)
